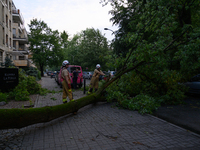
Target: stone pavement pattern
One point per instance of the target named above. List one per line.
(99, 127)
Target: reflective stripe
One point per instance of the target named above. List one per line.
(64, 100)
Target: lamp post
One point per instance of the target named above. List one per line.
(109, 30)
(114, 34)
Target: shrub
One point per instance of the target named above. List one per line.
(3, 97)
(31, 71)
(27, 85)
(20, 92)
(32, 86)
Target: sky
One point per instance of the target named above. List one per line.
(71, 16)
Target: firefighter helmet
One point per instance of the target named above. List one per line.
(98, 66)
(65, 62)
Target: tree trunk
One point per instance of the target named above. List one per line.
(19, 118)
(42, 70)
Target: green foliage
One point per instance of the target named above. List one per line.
(32, 86)
(20, 92)
(45, 45)
(3, 97)
(131, 93)
(87, 49)
(39, 75)
(8, 62)
(31, 71)
(159, 41)
(143, 103)
(27, 85)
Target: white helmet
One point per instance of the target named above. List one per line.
(65, 62)
(98, 66)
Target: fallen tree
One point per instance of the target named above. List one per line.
(162, 51)
(19, 118)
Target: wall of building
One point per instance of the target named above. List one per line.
(5, 29)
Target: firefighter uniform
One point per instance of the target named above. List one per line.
(66, 90)
(94, 83)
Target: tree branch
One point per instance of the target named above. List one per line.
(171, 43)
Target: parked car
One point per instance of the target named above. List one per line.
(90, 75)
(193, 85)
(112, 73)
(53, 74)
(72, 68)
(49, 73)
(106, 75)
(85, 75)
(56, 77)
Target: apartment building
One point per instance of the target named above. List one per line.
(5, 30)
(13, 35)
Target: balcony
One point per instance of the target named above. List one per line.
(23, 49)
(21, 63)
(17, 16)
(20, 39)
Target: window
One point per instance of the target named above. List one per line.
(21, 58)
(10, 6)
(14, 45)
(3, 13)
(10, 24)
(3, 36)
(14, 33)
(1, 56)
(6, 40)
(6, 20)
(10, 43)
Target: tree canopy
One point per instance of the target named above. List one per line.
(88, 48)
(158, 41)
(45, 45)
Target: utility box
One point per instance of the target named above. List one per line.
(9, 78)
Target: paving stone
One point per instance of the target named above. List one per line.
(99, 126)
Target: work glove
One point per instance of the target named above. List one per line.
(69, 86)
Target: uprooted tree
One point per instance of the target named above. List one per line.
(162, 49)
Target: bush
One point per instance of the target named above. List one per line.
(3, 97)
(20, 91)
(31, 71)
(32, 86)
(27, 85)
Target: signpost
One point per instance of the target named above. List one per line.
(9, 78)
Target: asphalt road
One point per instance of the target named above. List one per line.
(186, 115)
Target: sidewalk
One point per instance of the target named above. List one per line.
(98, 127)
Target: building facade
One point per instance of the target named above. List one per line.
(13, 36)
(5, 30)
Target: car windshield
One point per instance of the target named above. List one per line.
(71, 69)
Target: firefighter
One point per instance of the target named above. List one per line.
(66, 83)
(94, 83)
